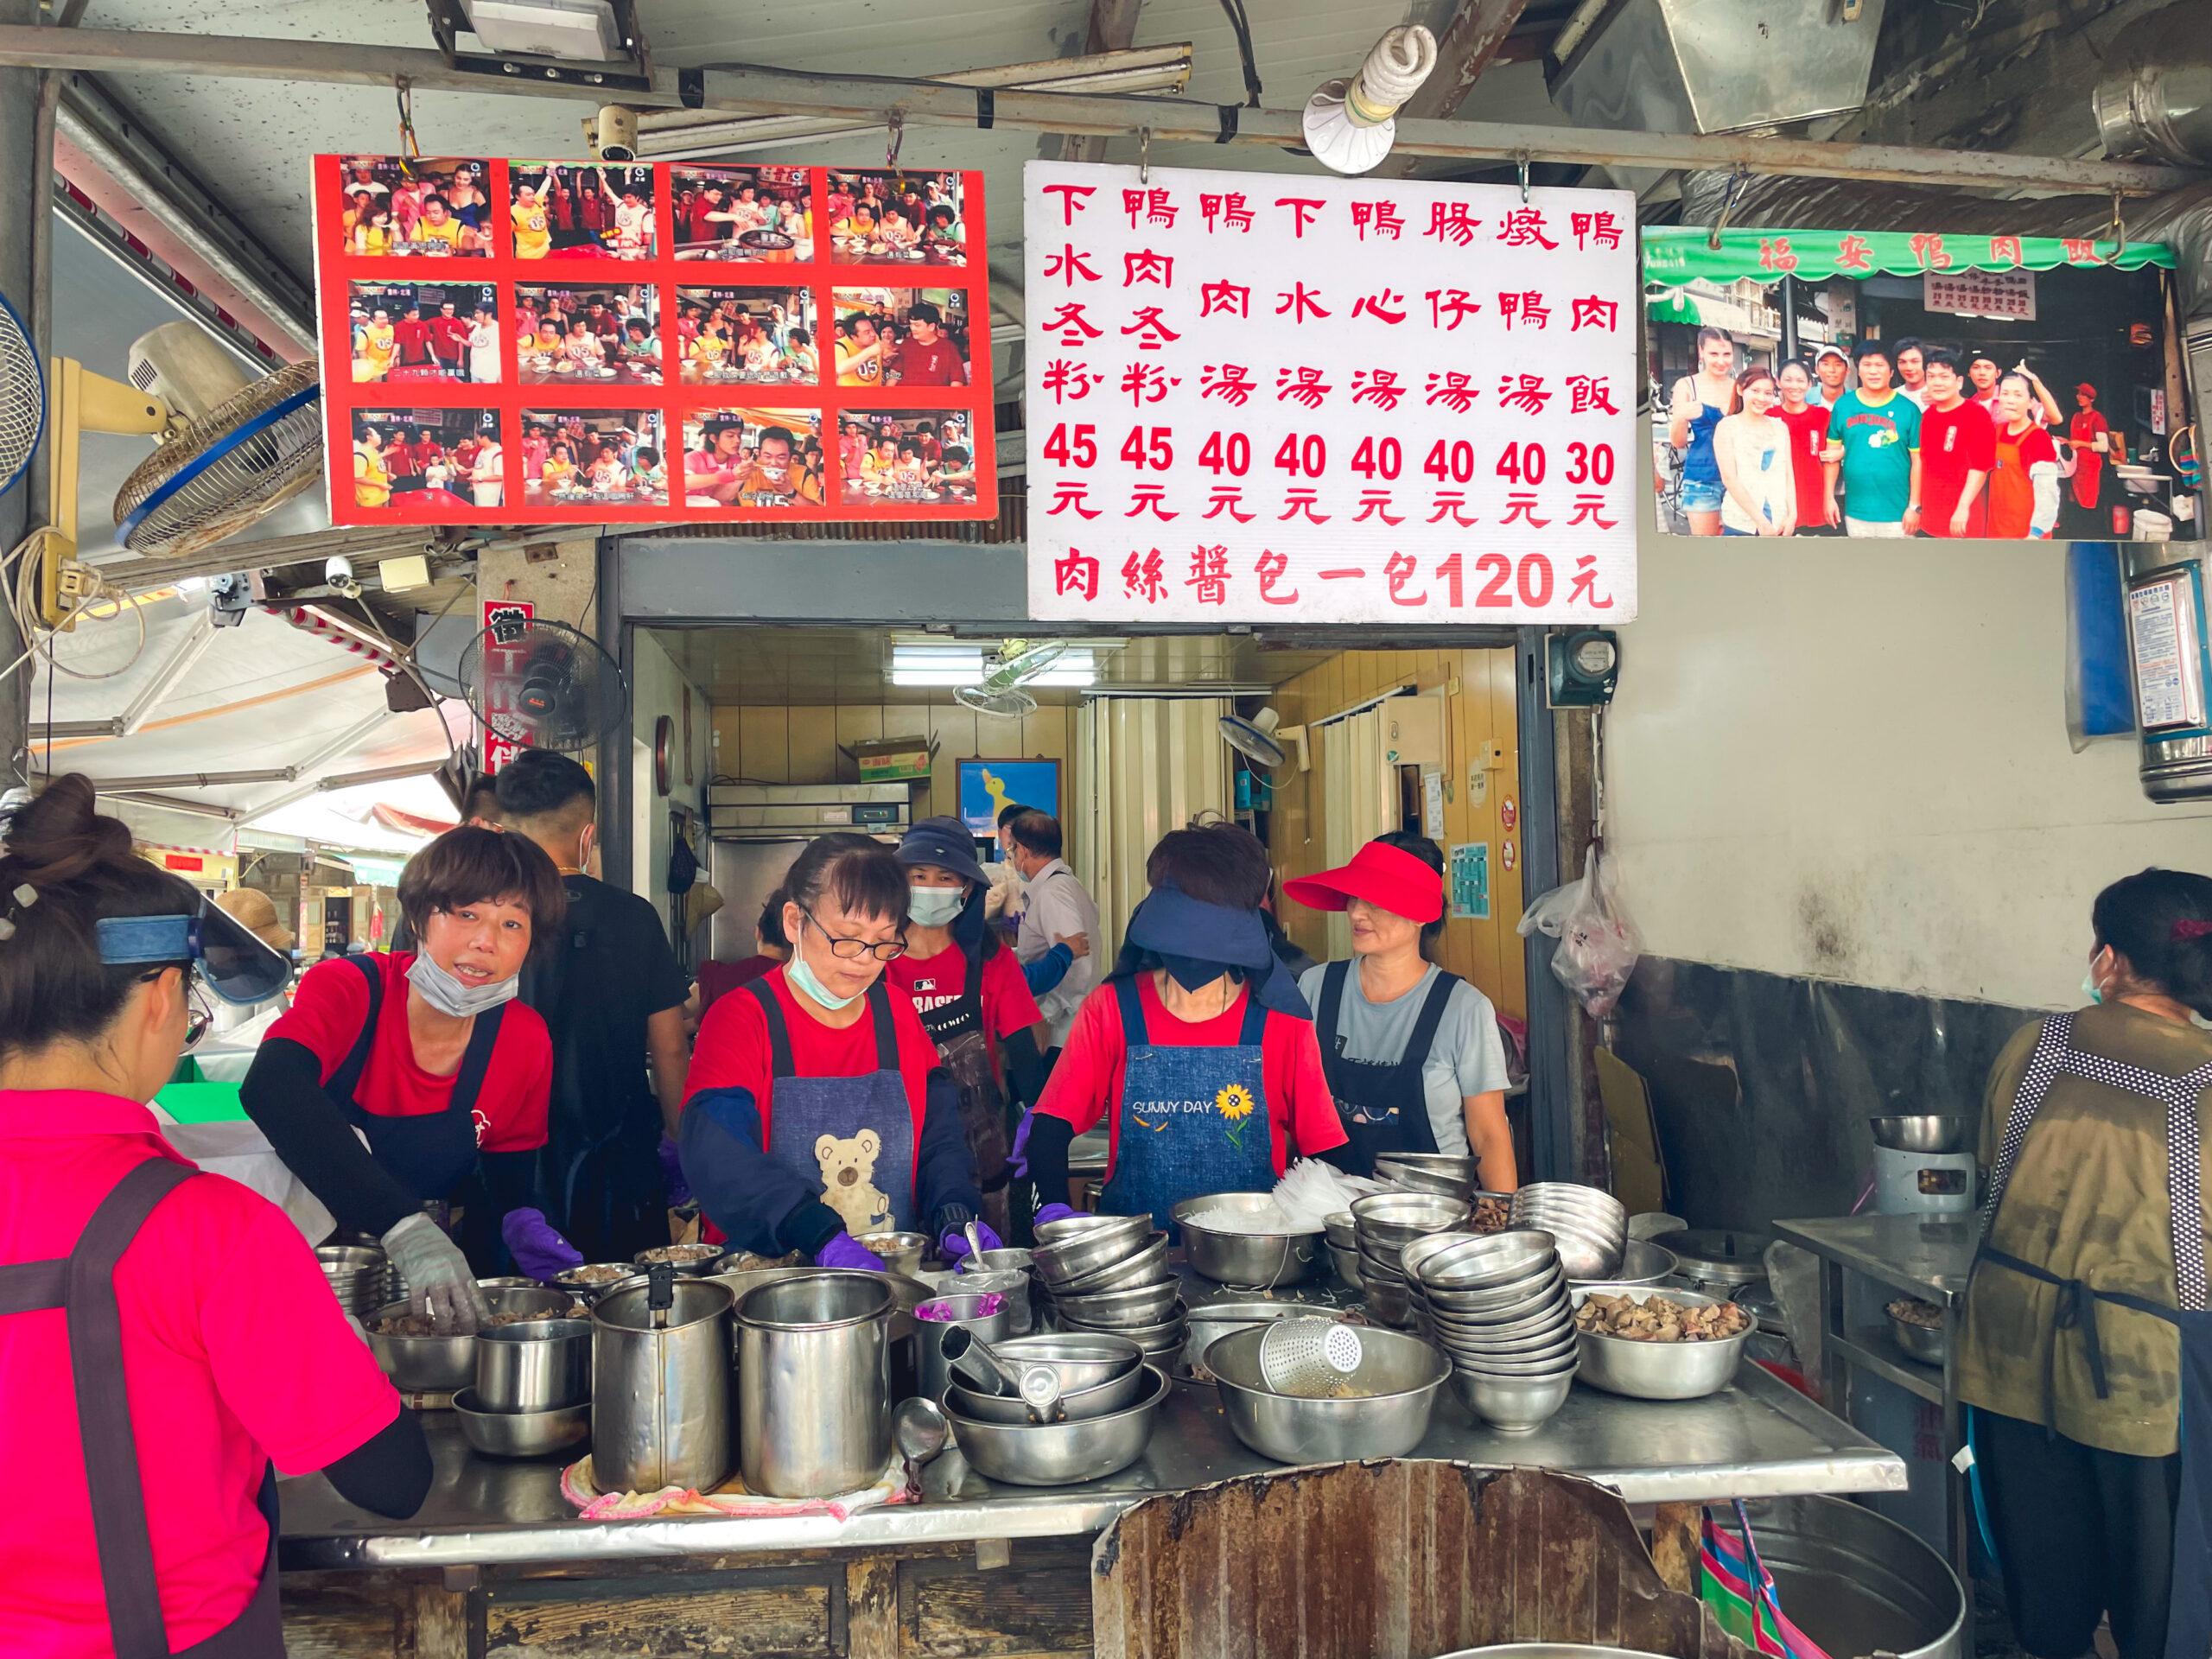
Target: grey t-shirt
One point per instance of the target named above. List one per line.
(1467, 1057)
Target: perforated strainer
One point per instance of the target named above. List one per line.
(1308, 1358)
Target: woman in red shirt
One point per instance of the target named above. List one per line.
(972, 999)
(815, 1110)
(1808, 434)
(427, 1054)
(1198, 1050)
(149, 1384)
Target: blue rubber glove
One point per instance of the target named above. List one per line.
(1017, 1161)
(671, 1173)
(1056, 1213)
(538, 1249)
(954, 1245)
(844, 1251)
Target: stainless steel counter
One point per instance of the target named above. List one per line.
(1759, 1438)
(1927, 1256)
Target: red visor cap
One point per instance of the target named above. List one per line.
(1385, 875)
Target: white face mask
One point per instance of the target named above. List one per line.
(935, 906)
(448, 994)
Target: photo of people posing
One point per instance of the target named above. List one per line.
(439, 459)
(1889, 419)
(761, 214)
(577, 333)
(901, 336)
(424, 331)
(753, 458)
(896, 218)
(563, 211)
(917, 456)
(396, 205)
(755, 336)
(593, 457)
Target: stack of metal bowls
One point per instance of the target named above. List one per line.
(1061, 1454)
(1110, 1273)
(1590, 1226)
(1450, 1173)
(1098, 1375)
(1498, 1305)
(1344, 1246)
(1385, 1222)
(1222, 1241)
(533, 1390)
(446, 1364)
(359, 1275)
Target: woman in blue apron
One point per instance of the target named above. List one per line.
(816, 1111)
(1198, 1050)
(426, 1058)
(1412, 1052)
(2087, 1353)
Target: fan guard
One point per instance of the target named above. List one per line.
(249, 455)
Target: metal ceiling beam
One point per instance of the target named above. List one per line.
(189, 650)
(875, 99)
(1113, 29)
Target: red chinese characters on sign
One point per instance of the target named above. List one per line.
(503, 662)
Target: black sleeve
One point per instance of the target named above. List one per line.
(1049, 1140)
(388, 1474)
(283, 1094)
(510, 1180)
(1025, 1067)
(944, 1170)
(1338, 1155)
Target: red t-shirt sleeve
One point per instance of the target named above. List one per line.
(1007, 1004)
(1086, 1079)
(516, 1115)
(1981, 444)
(327, 1012)
(2036, 446)
(731, 1052)
(328, 1397)
(1298, 1090)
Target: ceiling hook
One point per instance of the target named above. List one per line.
(895, 125)
(1737, 181)
(1144, 155)
(1521, 157)
(2119, 232)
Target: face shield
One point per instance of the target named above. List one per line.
(231, 963)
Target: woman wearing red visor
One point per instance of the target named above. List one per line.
(1412, 1052)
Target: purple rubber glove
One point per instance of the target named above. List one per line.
(1056, 1213)
(671, 1173)
(1017, 1161)
(954, 1245)
(844, 1251)
(538, 1250)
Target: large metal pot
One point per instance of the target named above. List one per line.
(814, 1384)
(538, 1365)
(660, 1385)
(1856, 1582)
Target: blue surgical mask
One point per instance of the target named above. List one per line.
(448, 994)
(2091, 990)
(804, 977)
(935, 906)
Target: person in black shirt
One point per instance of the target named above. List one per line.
(613, 996)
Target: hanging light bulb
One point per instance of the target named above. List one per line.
(1348, 124)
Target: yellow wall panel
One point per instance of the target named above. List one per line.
(814, 754)
(765, 735)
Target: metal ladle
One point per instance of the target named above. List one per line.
(1037, 1386)
(919, 1430)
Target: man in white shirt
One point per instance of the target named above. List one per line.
(1054, 907)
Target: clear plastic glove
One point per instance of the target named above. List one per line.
(537, 1247)
(844, 1251)
(954, 1244)
(1056, 1213)
(437, 1274)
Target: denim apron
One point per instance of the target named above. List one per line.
(2188, 1618)
(856, 1134)
(1382, 1103)
(1194, 1120)
(430, 1152)
(964, 1049)
(82, 1284)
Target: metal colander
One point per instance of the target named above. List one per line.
(1308, 1358)
(247, 456)
(22, 396)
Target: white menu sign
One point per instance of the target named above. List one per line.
(1271, 397)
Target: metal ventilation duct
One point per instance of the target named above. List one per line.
(1714, 65)
(2155, 98)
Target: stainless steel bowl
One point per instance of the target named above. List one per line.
(1595, 1201)
(1346, 1263)
(1922, 1132)
(1162, 1335)
(1929, 1344)
(1002, 1260)
(538, 1365)
(1209, 1322)
(1512, 1405)
(1500, 1302)
(1082, 1359)
(631, 1273)
(1096, 1401)
(900, 1253)
(1116, 1310)
(1342, 1231)
(1552, 1351)
(1440, 1172)
(521, 1434)
(1548, 1317)
(1658, 1370)
(1404, 1373)
(1490, 1365)
(1401, 1217)
(1582, 1253)
(692, 1261)
(443, 1364)
(1644, 1262)
(1489, 1259)
(1260, 1261)
(1095, 1243)
(1061, 1455)
(1147, 1267)
(1549, 1650)
(1411, 1258)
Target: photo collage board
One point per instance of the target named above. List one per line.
(510, 341)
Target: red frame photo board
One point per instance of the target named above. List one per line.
(340, 266)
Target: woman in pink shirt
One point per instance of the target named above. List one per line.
(167, 1340)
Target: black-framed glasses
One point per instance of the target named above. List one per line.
(853, 950)
(198, 1015)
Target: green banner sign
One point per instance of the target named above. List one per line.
(1674, 254)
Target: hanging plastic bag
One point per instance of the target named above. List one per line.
(1599, 945)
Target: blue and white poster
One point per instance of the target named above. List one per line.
(988, 787)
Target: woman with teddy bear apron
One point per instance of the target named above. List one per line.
(815, 1110)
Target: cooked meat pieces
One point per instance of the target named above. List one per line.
(682, 1255)
(418, 1325)
(598, 1273)
(1912, 1311)
(1492, 1215)
(1658, 1318)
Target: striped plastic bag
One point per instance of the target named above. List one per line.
(1736, 1584)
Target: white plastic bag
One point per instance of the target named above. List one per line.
(1598, 943)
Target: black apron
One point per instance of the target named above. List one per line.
(82, 1284)
(1382, 1103)
(857, 1134)
(430, 1153)
(956, 1028)
(2188, 1618)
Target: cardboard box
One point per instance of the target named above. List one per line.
(890, 759)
